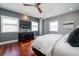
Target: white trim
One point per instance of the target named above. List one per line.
(7, 42)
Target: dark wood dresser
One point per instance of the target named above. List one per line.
(23, 36)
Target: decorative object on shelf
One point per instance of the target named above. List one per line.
(25, 24)
(68, 24)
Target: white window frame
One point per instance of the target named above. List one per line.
(3, 16)
(34, 25)
(50, 29)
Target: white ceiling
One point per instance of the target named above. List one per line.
(49, 9)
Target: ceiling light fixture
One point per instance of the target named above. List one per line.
(71, 9)
(24, 17)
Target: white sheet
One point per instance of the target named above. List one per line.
(45, 43)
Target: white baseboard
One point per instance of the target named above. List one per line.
(7, 42)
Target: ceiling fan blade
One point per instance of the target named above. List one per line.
(39, 10)
(27, 5)
(39, 3)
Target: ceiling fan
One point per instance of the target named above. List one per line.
(36, 5)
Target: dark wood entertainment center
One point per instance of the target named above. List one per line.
(26, 33)
(25, 36)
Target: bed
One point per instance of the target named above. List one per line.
(55, 45)
(46, 43)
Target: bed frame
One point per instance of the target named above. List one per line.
(37, 52)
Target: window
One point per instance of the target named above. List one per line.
(53, 26)
(9, 24)
(34, 26)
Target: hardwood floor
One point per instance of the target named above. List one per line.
(17, 49)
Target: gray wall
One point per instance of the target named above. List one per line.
(11, 36)
(61, 18)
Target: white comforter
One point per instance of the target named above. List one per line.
(45, 43)
(63, 48)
